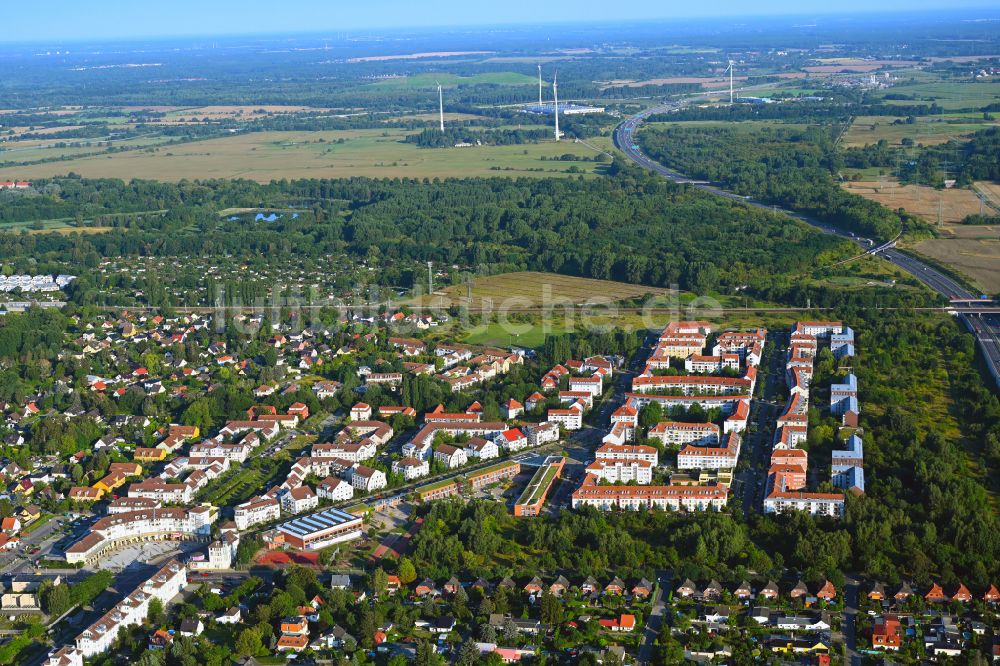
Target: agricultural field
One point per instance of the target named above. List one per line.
(977, 258)
(531, 289)
(949, 95)
(927, 202)
(989, 190)
(263, 156)
(430, 81)
(926, 130)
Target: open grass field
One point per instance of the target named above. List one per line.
(264, 156)
(926, 130)
(921, 200)
(949, 95)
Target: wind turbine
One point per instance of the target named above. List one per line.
(555, 100)
(730, 70)
(441, 106)
(540, 88)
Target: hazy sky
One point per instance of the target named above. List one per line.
(101, 19)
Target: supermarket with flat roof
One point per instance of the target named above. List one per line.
(321, 529)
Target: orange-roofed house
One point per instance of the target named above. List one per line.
(828, 592)
(625, 623)
(512, 409)
(962, 594)
(393, 584)
(292, 643)
(297, 626)
(10, 525)
(143, 454)
(299, 409)
(885, 635)
(992, 595)
(935, 595)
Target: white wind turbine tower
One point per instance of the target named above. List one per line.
(540, 88)
(555, 100)
(730, 70)
(441, 106)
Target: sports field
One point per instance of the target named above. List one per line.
(264, 156)
(927, 130)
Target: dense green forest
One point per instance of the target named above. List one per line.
(630, 226)
(793, 167)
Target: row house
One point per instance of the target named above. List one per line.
(644, 498)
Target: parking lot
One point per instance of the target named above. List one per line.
(147, 552)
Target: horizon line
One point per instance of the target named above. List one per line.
(446, 28)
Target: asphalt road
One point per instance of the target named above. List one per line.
(985, 327)
(655, 620)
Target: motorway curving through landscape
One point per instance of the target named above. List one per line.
(986, 327)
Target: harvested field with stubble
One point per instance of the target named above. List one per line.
(921, 200)
(531, 289)
(977, 258)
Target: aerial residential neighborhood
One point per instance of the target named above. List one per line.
(461, 334)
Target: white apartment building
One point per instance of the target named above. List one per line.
(368, 479)
(677, 433)
(257, 510)
(622, 471)
(411, 468)
(818, 504)
(627, 452)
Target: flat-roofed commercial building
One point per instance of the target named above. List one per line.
(321, 529)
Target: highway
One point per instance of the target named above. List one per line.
(984, 326)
